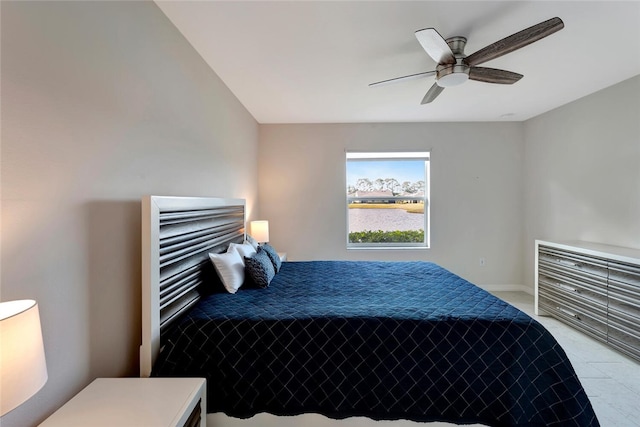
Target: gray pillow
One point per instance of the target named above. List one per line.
(273, 256)
(259, 269)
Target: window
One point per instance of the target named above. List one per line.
(387, 200)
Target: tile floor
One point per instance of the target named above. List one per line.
(611, 380)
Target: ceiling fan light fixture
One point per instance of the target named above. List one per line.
(453, 79)
(452, 75)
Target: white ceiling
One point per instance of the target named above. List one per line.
(312, 61)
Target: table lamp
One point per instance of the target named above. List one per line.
(260, 231)
(23, 369)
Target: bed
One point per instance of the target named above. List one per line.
(384, 340)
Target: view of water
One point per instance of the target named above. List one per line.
(384, 219)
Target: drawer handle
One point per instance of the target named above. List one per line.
(568, 288)
(569, 263)
(568, 313)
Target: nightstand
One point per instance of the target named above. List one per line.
(139, 402)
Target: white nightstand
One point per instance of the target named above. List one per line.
(139, 402)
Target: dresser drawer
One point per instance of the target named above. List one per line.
(567, 261)
(593, 289)
(589, 320)
(574, 302)
(625, 298)
(624, 332)
(626, 273)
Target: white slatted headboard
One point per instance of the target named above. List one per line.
(177, 235)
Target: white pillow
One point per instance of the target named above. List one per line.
(230, 269)
(245, 250)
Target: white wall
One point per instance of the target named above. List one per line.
(582, 171)
(476, 192)
(102, 102)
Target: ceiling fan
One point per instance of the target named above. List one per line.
(455, 68)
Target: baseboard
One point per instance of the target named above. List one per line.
(507, 288)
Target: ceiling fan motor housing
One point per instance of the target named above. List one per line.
(454, 74)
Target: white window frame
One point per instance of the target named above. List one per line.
(382, 156)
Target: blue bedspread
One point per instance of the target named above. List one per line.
(406, 340)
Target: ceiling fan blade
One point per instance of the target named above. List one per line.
(432, 93)
(435, 46)
(403, 78)
(492, 75)
(515, 41)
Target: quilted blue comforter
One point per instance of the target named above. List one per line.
(402, 340)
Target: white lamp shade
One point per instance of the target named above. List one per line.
(260, 230)
(23, 370)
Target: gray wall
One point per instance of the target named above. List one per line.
(582, 171)
(476, 192)
(102, 102)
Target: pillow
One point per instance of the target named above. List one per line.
(259, 268)
(230, 269)
(273, 256)
(253, 242)
(245, 250)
